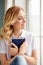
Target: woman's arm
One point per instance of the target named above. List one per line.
(33, 59)
(23, 48)
(12, 51)
(4, 60)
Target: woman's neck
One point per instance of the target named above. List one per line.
(17, 33)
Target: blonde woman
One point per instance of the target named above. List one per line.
(13, 28)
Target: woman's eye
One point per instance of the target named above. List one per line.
(19, 18)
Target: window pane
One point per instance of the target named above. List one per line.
(34, 16)
(21, 3)
(41, 17)
(9, 3)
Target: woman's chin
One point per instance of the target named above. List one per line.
(23, 27)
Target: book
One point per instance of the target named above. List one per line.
(18, 42)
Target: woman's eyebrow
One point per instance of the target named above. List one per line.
(21, 16)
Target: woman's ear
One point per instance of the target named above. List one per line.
(11, 26)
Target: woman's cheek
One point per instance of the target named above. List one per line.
(20, 21)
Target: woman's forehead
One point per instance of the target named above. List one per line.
(22, 13)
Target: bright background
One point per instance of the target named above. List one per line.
(34, 15)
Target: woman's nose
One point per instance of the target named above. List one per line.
(24, 20)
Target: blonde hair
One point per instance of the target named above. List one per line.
(10, 15)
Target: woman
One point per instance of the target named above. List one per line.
(14, 25)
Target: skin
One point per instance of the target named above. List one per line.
(18, 26)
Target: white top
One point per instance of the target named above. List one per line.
(31, 41)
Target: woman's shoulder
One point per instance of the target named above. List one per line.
(1, 41)
(2, 46)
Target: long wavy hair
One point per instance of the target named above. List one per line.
(7, 29)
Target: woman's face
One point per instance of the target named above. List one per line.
(21, 21)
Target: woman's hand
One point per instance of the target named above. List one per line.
(23, 48)
(13, 49)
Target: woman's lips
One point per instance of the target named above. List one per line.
(24, 24)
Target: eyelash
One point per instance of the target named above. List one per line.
(19, 18)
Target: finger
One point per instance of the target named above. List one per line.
(14, 45)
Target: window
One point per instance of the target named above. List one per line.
(8, 3)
